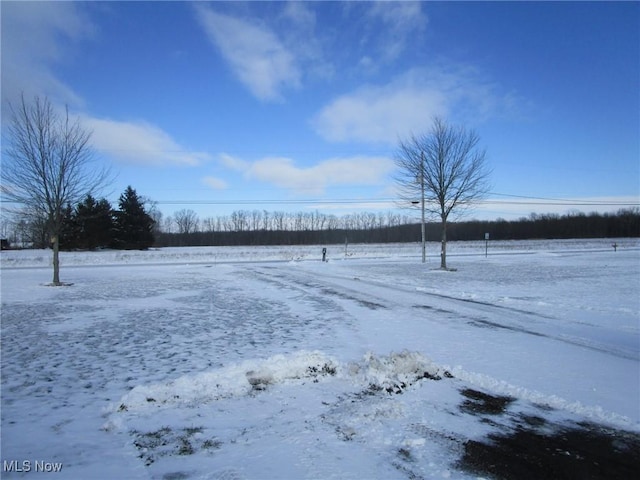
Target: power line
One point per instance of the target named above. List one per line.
(353, 201)
(526, 200)
(276, 202)
(563, 203)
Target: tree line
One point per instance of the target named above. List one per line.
(186, 221)
(623, 223)
(258, 228)
(137, 224)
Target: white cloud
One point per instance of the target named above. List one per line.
(379, 114)
(233, 163)
(256, 55)
(36, 36)
(214, 182)
(399, 15)
(283, 173)
(272, 53)
(139, 143)
(384, 113)
(300, 14)
(401, 21)
(297, 29)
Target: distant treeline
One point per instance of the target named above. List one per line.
(624, 223)
(94, 224)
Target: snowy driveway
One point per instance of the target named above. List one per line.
(348, 369)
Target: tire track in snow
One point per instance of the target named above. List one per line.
(374, 295)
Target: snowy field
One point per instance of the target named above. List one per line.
(264, 362)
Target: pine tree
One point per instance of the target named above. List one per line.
(133, 226)
(68, 237)
(95, 223)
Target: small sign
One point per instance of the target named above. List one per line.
(486, 236)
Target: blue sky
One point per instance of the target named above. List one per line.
(299, 105)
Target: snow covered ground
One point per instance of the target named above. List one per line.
(264, 362)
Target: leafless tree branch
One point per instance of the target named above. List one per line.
(452, 167)
(48, 164)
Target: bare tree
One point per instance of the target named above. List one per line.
(266, 219)
(256, 218)
(209, 224)
(186, 220)
(279, 221)
(48, 165)
(443, 170)
(155, 213)
(239, 219)
(167, 224)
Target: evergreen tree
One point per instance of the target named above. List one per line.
(133, 226)
(68, 229)
(94, 222)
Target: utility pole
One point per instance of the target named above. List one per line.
(422, 227)
(422, 223)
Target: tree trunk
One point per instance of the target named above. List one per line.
(56, 260)
(443, 251)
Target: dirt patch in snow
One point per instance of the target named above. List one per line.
(532, 448)
(483, 403)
